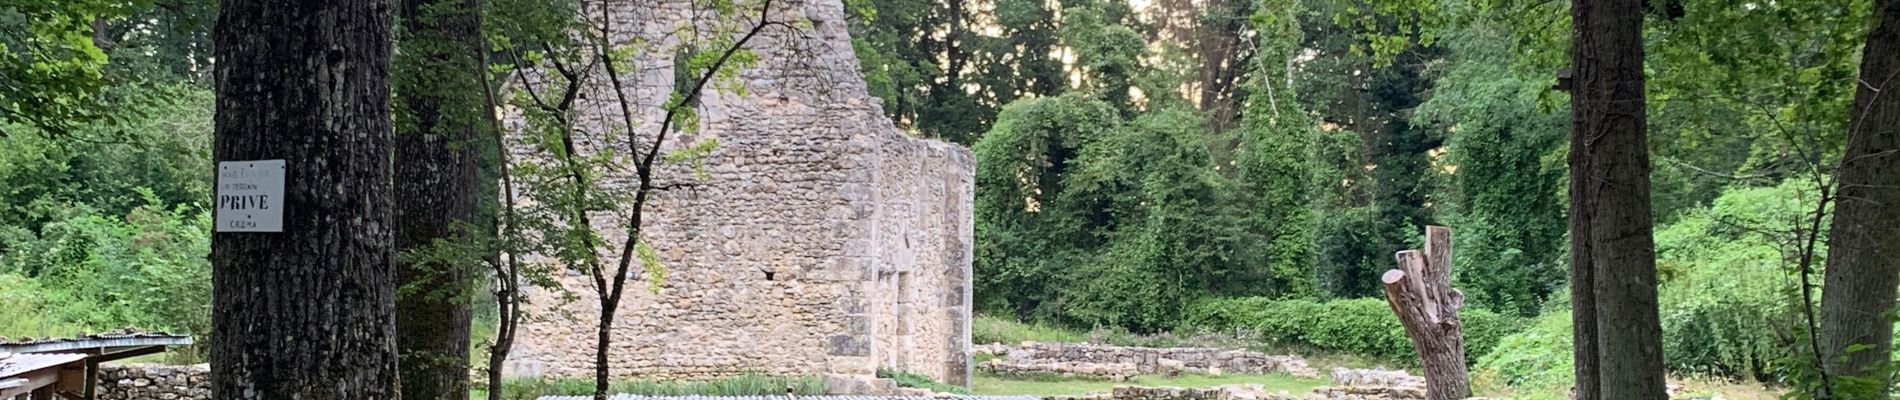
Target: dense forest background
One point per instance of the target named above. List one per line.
(1145, 166)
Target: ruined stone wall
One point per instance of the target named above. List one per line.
(817, 238)
(923, 234)
(1082, 357)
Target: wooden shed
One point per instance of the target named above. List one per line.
(68, 368)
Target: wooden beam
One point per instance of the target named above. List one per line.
(92, 380)
(34, 380)
(72, 378)
(134, 352)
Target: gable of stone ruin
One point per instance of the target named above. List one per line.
(822, 240)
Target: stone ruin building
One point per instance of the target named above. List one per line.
(823, 240)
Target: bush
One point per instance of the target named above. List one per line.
(1536, 359)
(92, 272)
(26, 311)
(1356, 326)
(1726, 285)
(1725, 288)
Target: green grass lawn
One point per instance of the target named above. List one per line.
(996, 385)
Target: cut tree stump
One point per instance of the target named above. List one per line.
(1420, 293)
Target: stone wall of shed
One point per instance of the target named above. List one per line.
(154, 382)
(784, 253)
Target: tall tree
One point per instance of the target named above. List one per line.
(437, 80)
(307, 312)
(1863, 263)
(1613, 254)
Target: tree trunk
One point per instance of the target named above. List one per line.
(1863, 245)
(1420, 293)
(1583, 303)
(1608, 137)
(307, 312)
(437, 83)
(603, 344)
(507, 267)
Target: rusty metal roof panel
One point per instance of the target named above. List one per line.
(122, 338)
(20, 364)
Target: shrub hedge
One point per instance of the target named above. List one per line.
(1357, 326)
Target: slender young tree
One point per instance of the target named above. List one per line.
(1618, 333)
(679, 111)
(439, 98)
(307, 312)
(1863, 245)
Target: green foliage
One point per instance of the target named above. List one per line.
(1356, 326)
(102, 216)
(914, 380)
(992, 329)
(1108, 50)
(97, 272)
(26, 312)
(744, 385)
(55, 77)
(49, 66)
(1130, 216)
(1025, 240)
(1537, 358)
(1371, 169)
(1727, 288)
(1728, 280)
(1504, 159)
(166, 150)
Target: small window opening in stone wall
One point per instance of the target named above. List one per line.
(769, 275)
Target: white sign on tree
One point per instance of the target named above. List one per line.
(250, 196)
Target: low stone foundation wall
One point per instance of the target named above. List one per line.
(1250, 392)
(1231, 392)
(1118, 372)
(1377, 378)
(154, 382)
(1146, 360)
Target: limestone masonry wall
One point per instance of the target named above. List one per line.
(154, 382)
(822, 240)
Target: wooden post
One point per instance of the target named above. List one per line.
(1420, 293)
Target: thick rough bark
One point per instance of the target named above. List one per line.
(307, 313)
(1420, 293)
(1609, 140)
(437, 82)
(1863, 245)
(1583, 312)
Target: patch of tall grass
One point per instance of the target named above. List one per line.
(915, 380)
(991, 329)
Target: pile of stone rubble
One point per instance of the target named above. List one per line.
(1121, 363)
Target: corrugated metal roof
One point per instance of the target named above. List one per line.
(122, 338)
(20, 364)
